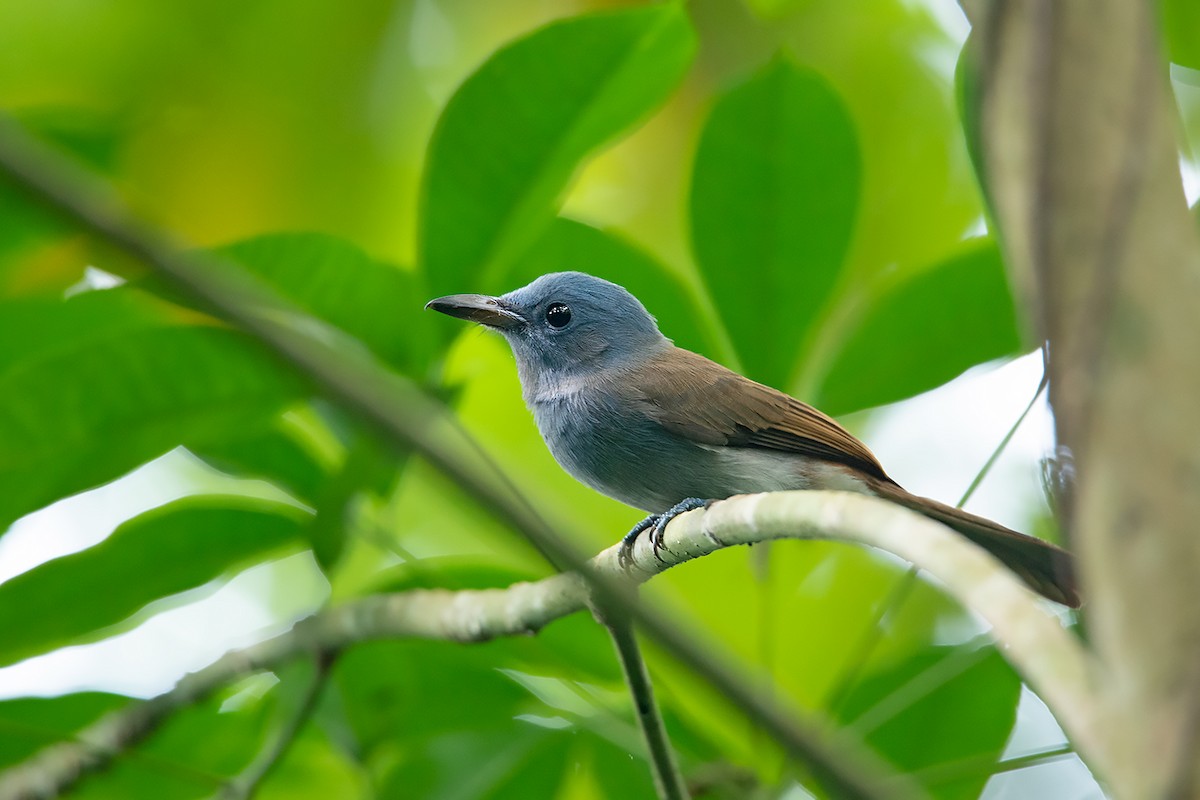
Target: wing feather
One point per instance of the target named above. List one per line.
(703, 401)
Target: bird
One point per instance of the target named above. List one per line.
(666, 430)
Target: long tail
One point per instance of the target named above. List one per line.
(1049, 570)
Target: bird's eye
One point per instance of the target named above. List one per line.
(558, 315)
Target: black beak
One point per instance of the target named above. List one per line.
(477, 308)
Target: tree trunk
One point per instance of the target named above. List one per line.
(1082, 169)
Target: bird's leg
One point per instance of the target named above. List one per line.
(657, 524)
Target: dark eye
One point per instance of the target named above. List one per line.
(558, 315)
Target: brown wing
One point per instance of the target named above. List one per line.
(724, 408)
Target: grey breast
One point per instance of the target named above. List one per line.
(612, 447)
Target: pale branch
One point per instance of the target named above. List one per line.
(405, 416)
(1030, 635)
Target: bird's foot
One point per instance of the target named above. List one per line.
(657, 525)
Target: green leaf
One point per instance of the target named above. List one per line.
(90, 410)
(330, 278)
(412, 690)
(571, 245)
(942, 705)
(162, 552)
(271, 454)
(517, 764)
(516, 130)
(925, 331)
(33, 327)
(774, 196)
(1181, 29)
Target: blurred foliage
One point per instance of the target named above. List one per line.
(784, 183)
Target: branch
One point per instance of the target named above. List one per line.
(405, 416)
(1031, 636)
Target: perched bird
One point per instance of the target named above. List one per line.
(666, 430)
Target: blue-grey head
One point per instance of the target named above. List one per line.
(563, 326)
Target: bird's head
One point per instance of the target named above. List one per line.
(563, 325)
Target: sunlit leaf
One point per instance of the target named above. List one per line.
(518, 128)
(774, 197)
(925, 331)
(162, 552)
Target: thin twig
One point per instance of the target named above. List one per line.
(1008, 437)
(408, 418)
(667, 779)
(973, 767)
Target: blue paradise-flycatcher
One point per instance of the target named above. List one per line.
(666, 430)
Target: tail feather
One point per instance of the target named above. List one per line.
(1047, 569)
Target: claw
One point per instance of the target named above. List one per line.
(625, 554)
(657, 524)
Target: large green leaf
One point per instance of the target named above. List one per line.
(37, 326)
(570, 245)
(164, 551)
(330, 278)
(925, 331)
(518, 128)
(84, 414)
(942, 705)
(774, 194)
